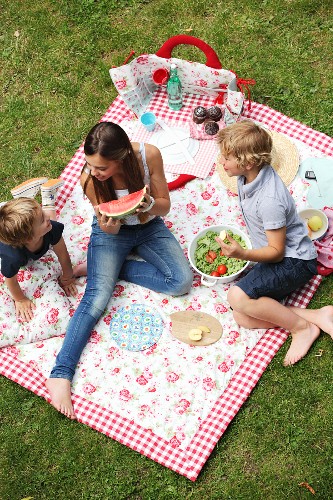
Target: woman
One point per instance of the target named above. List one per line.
(115, 167)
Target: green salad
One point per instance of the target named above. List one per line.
(210, 260)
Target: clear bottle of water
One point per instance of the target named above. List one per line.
(174, 89)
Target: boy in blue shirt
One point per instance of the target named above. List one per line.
(285, 255)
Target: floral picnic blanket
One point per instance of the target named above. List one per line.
(171, 401)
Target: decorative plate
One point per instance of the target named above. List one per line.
(136, 327)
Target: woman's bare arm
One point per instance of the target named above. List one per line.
(158, 184)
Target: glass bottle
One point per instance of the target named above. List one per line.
(174, 89)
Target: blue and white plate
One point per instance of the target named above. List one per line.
(136, 327)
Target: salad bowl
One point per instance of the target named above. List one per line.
(203, 243)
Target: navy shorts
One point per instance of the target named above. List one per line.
(277, 280)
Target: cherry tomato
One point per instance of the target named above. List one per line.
(212, 254)
(215, 273)
(221, 253)
(222, 269)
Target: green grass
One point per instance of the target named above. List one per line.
(55, 85)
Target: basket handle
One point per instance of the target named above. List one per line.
(212, 59)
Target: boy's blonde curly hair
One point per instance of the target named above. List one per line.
(249, 143)
(17, 218)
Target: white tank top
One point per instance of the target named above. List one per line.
(131, 220)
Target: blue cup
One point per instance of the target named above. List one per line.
(148, 120)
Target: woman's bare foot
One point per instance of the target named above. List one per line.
(80, 270)
(300, 344)
(60, 392)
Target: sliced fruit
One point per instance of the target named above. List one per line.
(204, 329)
(223, 235)
(127, 205)
(212, 254)
(195, 334)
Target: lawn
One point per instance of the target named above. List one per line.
(54, 86)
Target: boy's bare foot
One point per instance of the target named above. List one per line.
(322, 317)
(80, 270)
(300, 344)
(60, 392)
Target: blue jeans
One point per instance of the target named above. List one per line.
(164, 269)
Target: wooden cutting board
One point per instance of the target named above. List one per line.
(184, 321)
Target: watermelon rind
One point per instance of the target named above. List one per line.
(124, 206)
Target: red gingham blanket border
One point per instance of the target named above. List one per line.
(190, 461)
(281, 123)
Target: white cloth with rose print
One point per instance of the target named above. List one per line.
(171, 387)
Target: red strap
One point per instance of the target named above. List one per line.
(180, 181)
(130, 55)
(220, 98)
(212, 59)
(240, 82)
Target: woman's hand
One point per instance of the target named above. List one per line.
(107, 224)
(147, 203)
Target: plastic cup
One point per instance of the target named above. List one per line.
(148, 120)
(160, 76)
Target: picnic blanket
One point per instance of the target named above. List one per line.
(171, 402)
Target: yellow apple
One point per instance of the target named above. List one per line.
(315, 223)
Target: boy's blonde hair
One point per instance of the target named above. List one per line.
(249, 143)
(17, 218)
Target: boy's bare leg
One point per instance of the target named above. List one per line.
(251, 323)
(301, 340)
(61, 398)
(268, 313)
(323, 317)
(300, 344)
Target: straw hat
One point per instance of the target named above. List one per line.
(285, 160)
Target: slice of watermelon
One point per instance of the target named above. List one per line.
(126, 205)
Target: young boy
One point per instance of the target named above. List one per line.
(285, 255)
(26, 232)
